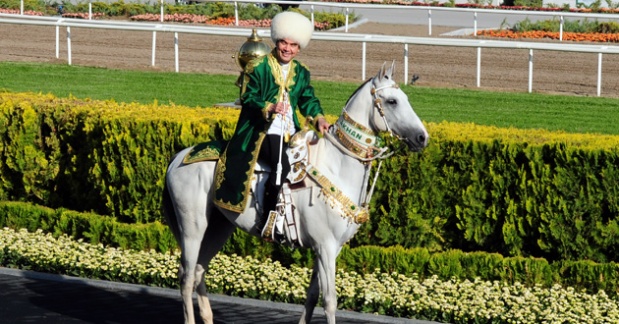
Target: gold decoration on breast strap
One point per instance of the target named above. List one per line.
(350, 210)
(355, 124)
(355, 148)
(363, 146)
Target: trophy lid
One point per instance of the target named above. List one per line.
(251, 49)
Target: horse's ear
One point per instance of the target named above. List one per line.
(386, 71)
(381, 72)
(391, 70)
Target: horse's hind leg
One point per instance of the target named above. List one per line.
(187, 274)
(217, 234)
(191, 230)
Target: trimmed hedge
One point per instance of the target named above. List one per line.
(99, 156)
(91, 227)
(557, 200)
(529, 193)
(581, 275)
(96, 229)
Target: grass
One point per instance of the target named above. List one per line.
(121, 85)
(521, 110)
(504, 109)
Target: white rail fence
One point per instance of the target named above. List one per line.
(325, 36)
(346, 7)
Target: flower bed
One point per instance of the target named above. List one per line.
(82, 15)
(177, 17)
(219, 21)
(539, 34)
(385, 293)
(16, 12)
(574, 30)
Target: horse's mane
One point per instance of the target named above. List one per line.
(359, 88)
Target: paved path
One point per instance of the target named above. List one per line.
(32, 297)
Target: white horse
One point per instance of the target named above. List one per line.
(328, 210)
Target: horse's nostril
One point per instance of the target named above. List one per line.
(422, 139)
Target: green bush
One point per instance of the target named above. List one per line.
(94, 156)
(35, 5)
(334, 19)
(581, 275)
(574, 26)
(610, 27)
(27, 170)
(513, 192)
(551, 200)
(590, 276)
(525, 3)
(93, 228)
(418, 262)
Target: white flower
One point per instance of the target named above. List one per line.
(462, 301)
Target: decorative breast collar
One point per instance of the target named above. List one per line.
(356, 138)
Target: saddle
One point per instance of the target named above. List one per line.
(281, 225)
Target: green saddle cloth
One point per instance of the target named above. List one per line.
(207, 151)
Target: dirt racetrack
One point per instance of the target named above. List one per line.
(501, 69)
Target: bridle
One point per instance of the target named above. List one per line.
(378, 103)
(357, 140)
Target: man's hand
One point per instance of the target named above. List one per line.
(322, 125)
(279, 108)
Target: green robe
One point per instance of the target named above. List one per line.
(263, 85)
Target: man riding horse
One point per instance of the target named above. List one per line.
(273, 88)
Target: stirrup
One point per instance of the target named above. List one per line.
(267, 231)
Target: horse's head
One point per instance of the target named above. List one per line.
(392, 111)
(378, 105)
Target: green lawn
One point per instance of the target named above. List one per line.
(504, 109)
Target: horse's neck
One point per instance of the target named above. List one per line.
(358, 108)
(345, 172)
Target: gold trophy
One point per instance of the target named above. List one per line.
(251, 49)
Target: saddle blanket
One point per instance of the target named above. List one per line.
(207, 151)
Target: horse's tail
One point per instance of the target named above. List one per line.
(167, 208)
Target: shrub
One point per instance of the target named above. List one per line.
(610, 27)
(574, 26)
(525, 3)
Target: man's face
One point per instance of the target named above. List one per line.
(287, 49)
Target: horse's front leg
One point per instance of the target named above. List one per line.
(326, 279)
(313, 292)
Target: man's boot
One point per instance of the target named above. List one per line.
(269, 201)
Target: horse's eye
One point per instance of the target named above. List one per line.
(392, 102)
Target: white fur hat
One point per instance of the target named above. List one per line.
(291, 25)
